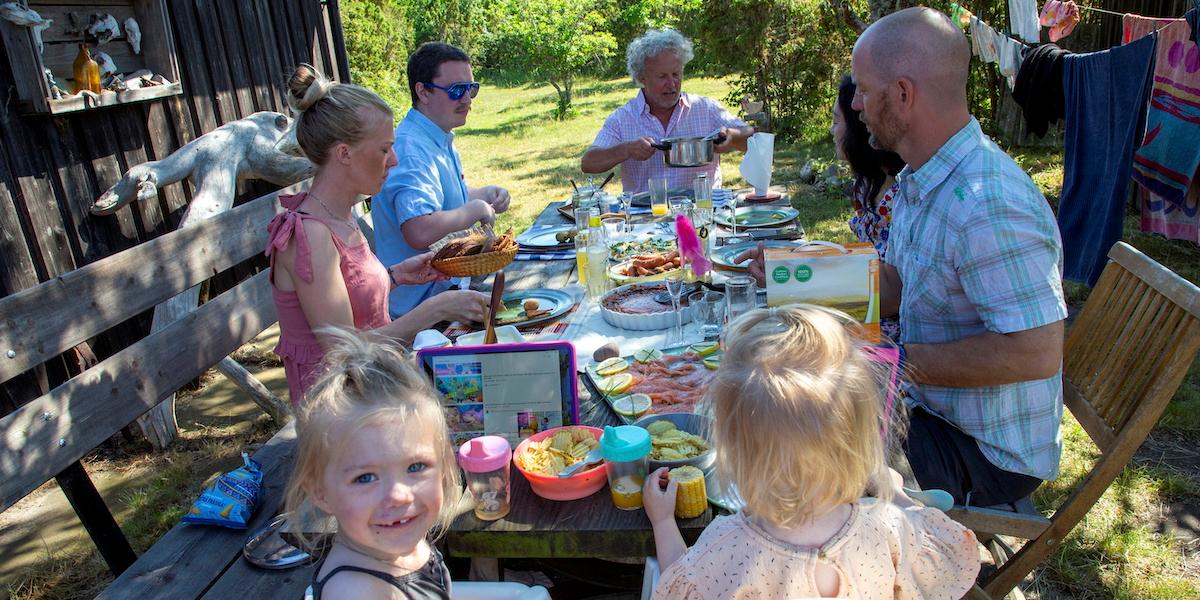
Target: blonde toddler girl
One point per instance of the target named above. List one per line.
(373, 453)
(796, 427)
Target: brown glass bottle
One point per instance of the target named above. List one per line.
(87, 71)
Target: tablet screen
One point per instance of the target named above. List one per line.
(513, 391)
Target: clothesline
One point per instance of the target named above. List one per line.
(1100, 10)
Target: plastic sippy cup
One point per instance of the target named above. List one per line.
(626, 451)
(486, 461)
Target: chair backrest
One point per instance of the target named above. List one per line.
(1125, 356)
(1130, 348)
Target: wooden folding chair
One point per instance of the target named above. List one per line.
(1123, 359)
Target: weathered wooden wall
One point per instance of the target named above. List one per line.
(234, 56)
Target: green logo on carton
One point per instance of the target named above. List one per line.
(780, 274)
(803, 273)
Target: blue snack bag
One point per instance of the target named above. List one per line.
(230, 500)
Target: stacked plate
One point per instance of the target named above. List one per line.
(544, 239)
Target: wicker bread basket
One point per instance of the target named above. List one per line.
(452, 253)
(476, 264)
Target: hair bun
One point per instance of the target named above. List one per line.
(306, 87)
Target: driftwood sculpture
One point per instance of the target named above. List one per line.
(261, 146)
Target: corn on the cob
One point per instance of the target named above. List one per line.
(692, 499)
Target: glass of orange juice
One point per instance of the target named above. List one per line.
(658, 196)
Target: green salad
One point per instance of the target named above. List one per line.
(623, 250)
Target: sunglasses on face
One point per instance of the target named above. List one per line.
(457, 90)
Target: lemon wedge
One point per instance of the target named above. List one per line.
(712, 362)
(617, 384)
(632, 406)
(646, 355)
(611, 366)
(704, 348)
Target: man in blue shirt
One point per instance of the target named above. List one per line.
(426, 195)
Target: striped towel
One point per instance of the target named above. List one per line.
(1165, 166)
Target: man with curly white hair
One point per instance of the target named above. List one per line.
(662, 109)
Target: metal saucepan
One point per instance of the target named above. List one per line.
(689, 151)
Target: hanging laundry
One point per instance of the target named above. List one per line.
(1060, 17)
(1193, 19)
(1166, 164)
(1023, 19)
(1106, 95)
(1010, 59)
(985, 41)
(961, 17)
(1039, 88)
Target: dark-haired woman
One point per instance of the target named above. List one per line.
(874, 179)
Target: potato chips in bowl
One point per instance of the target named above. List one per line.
(543, 455)
(678, 439)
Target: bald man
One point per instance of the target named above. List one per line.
(975, 273)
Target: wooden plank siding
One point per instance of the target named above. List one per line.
(233, 55)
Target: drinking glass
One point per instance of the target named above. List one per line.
(740, 295)
(733, 215)
(581, 243)
(681, 205)
(614, 229)
(674, 281)
(597, 268)
(626, 200)
(658, 196)
(703, 191)
(708, 311)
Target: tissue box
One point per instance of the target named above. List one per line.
(841, 277)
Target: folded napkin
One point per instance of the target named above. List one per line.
(756, 165)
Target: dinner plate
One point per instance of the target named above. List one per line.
(544, 237)
(268, 549)
(727, 499)
(557, 302)
(758, 216)
(643, 198)
(723, 256)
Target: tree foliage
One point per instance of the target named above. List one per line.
(378, 40)
(556, 42)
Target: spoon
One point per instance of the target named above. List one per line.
(939, 499)
(592, 457)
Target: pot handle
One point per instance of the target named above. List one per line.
(661, 146)
(720, 139)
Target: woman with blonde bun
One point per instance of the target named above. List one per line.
(323, 273)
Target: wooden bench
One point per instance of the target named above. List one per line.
(47, 437)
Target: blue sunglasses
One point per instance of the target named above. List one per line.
(457, 90)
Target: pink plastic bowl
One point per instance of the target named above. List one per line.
(579, 485)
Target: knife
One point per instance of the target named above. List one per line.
(489, 336)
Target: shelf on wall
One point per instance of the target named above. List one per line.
(60, 48)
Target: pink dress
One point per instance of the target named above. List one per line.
(367, 284)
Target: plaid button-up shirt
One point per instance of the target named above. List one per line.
(978, 250)
(693, 116)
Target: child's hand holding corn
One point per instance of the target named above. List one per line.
(659, 501)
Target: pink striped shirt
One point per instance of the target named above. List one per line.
(693, 116)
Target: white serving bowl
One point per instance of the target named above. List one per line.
(643, 321)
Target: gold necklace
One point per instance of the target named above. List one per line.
(352, 223)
